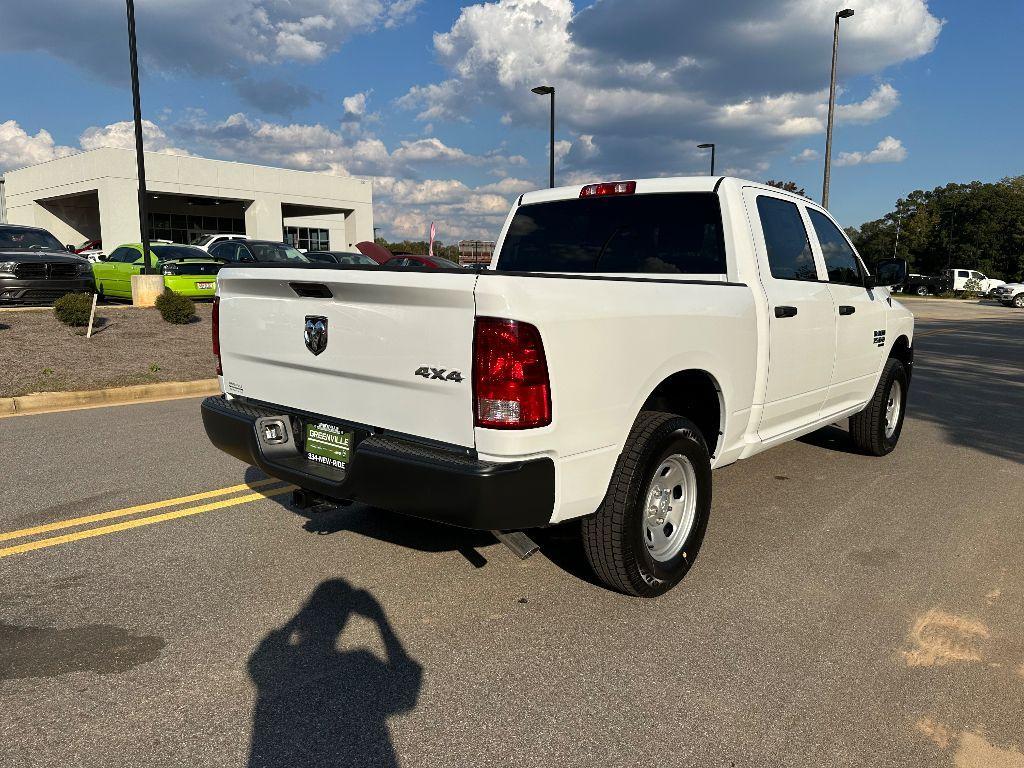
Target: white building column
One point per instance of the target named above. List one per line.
(263, 219)
(119, 212)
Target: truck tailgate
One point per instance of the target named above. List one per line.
(382, 327)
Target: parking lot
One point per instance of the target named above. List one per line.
(845, 610)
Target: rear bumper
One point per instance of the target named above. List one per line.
(186, 285)
(17, 291)
(393, 473)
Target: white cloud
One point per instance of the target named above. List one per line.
(807, 156)
(750, 73)
(122, 135)
(881, 103)
(354, 106)
(888, 150)
(19, 148)
(225, 41)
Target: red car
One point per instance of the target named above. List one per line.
(89, 245)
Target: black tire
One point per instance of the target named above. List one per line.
(613, 537)
(867, 428)
(921, 290)
(1018, 301)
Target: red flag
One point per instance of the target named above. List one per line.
(433, 234)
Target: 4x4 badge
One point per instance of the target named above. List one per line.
(315, 333)
(442, 374)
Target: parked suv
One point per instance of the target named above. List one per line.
(36, 269)
(255, 251)
(206, 242)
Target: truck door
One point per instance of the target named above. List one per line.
(860, 317)
(801, 319)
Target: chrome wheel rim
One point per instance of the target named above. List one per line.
(892, 408)
(670, 507)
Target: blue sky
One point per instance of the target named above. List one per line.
(431, 99)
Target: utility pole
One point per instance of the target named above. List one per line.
(140, 160)
(843, 14)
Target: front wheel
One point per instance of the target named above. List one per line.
(877, 428)
(921, 290)
(1018, 301)
(647, 532)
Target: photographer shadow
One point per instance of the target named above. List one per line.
(320, 706)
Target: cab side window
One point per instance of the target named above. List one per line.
(225, 251)
(840, 260)
(124, 255)
(789, 250)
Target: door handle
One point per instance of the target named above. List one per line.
(785, 311)
(845, 309)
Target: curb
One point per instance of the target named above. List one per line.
(66, 401)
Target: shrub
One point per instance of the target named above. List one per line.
(973, 285)
(73, 309)
(175, 308)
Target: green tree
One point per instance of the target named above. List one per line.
(788, 186)
(972, 226)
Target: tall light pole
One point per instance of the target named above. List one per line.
(843, 14)
(140, 160)
(549, 90)
(712, 148)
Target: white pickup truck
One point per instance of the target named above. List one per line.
(628, 338)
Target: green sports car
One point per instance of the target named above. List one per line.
(187, 270)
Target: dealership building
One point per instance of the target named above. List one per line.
(94, 196)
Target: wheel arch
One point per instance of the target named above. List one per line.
(903, 352)
(697, 395)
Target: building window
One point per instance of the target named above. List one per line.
(186, 228)
(307, 238)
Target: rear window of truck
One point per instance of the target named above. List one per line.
(677, 233)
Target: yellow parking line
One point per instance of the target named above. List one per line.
(133, 510)
(53, 541)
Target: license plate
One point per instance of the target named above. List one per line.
(328, 445)
(204, 286)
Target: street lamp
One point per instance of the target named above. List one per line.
(139, 158)
(712, 148)
(843, 14)
(549, 90)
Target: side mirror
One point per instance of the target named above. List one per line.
(71, 248)
(890, 272)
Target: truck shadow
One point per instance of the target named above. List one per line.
(390, 527)
(325, 701)
(967, 381)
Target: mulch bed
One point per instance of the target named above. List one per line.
(128, 346)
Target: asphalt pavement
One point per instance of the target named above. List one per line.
(162, 605)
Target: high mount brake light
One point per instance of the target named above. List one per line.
(609, 188)
(216, 333)
(511, 389)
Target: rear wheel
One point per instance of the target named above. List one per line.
(647, 532)
(877, 428)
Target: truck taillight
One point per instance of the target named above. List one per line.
(609, 188)
(511, 389)
(216, 333)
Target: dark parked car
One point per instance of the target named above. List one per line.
(253, 251)
(340, 257)
(414, 260)
(36, 269)
(922, 285)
